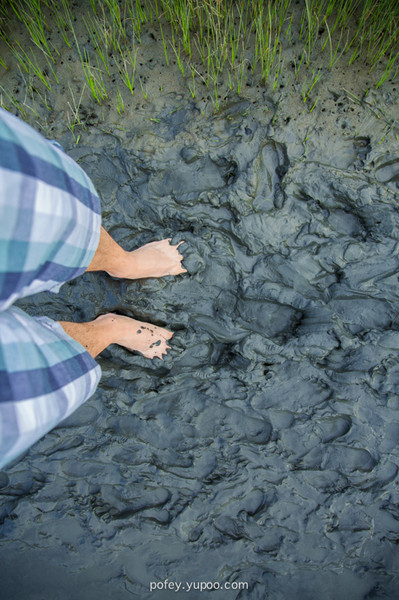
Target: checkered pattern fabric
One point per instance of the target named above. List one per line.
(49, 231)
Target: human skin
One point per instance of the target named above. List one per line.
(155, 259)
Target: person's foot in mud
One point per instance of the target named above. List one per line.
(155, 259)
(149, 340)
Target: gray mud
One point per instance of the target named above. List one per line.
(264, 449)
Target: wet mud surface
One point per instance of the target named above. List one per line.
(264, 449)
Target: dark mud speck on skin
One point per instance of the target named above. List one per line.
(264, 449)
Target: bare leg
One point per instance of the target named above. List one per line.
(155, 259)
(95, 336)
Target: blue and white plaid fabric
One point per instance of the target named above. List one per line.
(49, 231)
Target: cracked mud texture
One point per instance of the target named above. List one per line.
(264, 449)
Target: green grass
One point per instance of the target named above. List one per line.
(218, 42)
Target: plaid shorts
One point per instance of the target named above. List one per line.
(49, 231)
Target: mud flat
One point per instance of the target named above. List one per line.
(264, 449)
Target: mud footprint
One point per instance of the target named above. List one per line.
(109, 504)
(387, 170)
(228, 169)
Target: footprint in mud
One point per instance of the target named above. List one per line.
(14, 487)
(197, 176)
(387, 170)
(362, 149)
(108, 504)
(340, 152)
(269, 168)
(268, 541)
(228, 169)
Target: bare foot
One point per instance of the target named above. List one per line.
(139, 336)
(155, 259)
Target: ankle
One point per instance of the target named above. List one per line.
(113, 326)
(109, 255)
(108, 324)
(122, 265)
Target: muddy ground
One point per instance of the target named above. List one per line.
(264, 449)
